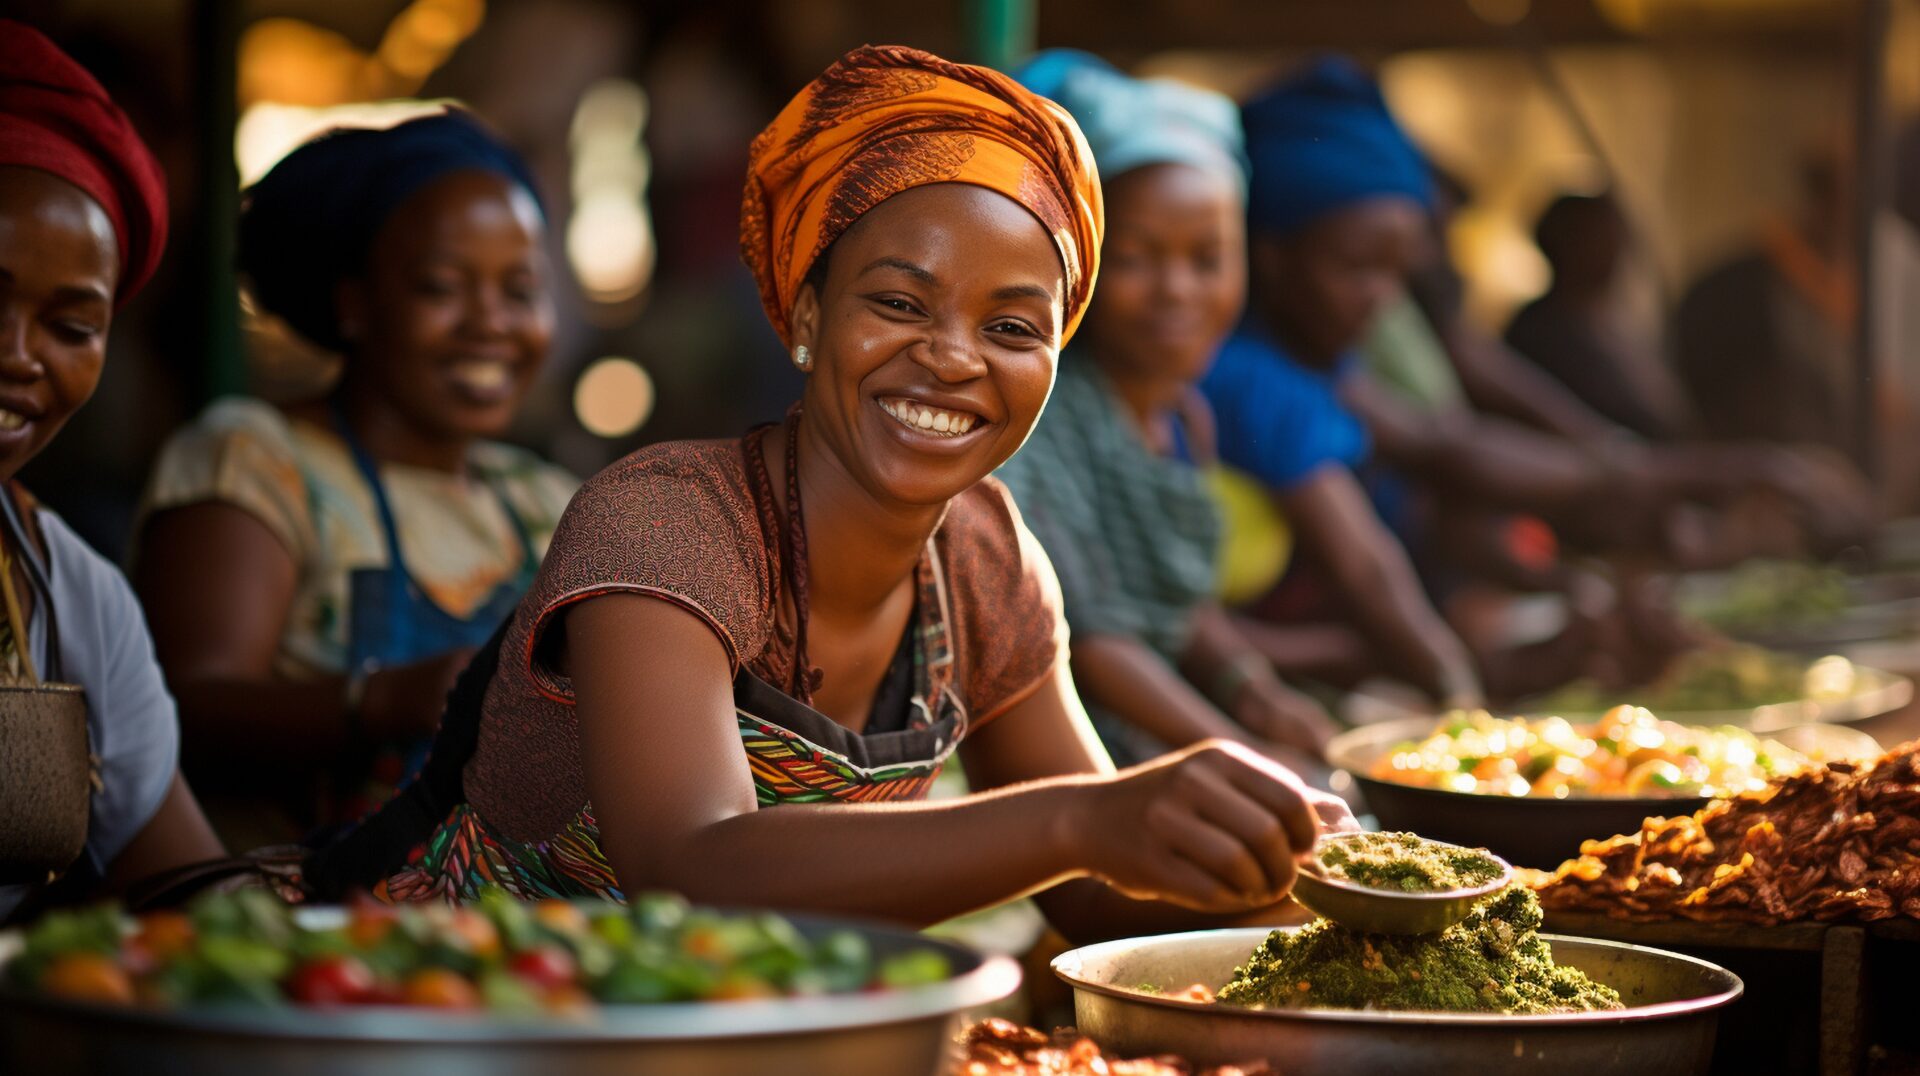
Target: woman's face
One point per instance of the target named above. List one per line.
(452, 320)
(934, 340)
(59, 265)
(1173, 272)
(1321, 287)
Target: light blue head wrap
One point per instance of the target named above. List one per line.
(1131, 122)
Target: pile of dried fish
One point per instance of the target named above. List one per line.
(1838, 842)
(1003, 1048)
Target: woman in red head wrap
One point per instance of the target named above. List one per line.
(83, 218)
(744, 661)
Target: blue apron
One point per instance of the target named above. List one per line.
(392, 621)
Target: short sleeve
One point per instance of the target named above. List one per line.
(1008, 626)
(239, 452)
(105, 647)
(1277, 420)
(674, 524)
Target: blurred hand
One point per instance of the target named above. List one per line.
(403, 703)
(1214, 827)
(1273, 711)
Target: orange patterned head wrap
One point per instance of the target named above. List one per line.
(884, 119)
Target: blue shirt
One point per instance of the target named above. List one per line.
(1279, 419)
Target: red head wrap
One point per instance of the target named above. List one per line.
(55, 117)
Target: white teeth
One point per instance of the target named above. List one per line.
(484, 376)
(929, 419)
(11, 420)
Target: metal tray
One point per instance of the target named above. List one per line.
(1674, 1008)
(896, 1031)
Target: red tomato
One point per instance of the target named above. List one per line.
(332, 980)
(87, 977)
(438, 988)
(546, 966)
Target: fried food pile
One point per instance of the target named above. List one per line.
(1003, 1048)
(1838, 842)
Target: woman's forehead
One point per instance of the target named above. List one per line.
(61, 220)
(956, 229)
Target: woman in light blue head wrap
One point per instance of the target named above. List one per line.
(1112, 482)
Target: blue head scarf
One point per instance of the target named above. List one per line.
(309, 223)
(1130, 123)
(1321, 140)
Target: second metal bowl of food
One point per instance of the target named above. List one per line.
(1528, 831)
(1386, 911)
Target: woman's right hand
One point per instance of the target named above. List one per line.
(1215, 827)
(403, 704)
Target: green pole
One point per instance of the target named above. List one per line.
(1000, 33)
(216, 32)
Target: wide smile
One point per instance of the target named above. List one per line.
(931, 421)
(10, 421)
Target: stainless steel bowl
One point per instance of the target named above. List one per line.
(1525, 831)
(1674, 1005)
(896, 1031)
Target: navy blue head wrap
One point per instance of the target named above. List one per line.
(310, 222)
(1134, 122)
(1322, 140)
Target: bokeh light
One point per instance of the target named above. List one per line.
(613, 398)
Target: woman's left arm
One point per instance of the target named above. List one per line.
(176, 835)
(1047, 734)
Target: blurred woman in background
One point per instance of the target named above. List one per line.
(318, 574)
(83, 220)
(1113, 482)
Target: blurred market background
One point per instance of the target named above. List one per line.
(1706, 119)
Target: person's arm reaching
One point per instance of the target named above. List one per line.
(1214, 828)
(1332, 517)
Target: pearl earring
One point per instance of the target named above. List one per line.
(802, 359)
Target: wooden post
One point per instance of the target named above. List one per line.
(1870, 193)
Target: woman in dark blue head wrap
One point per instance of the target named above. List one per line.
(318, 573)
(1336, 210)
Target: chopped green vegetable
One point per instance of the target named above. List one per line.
(1405, 862)
(1492, 962)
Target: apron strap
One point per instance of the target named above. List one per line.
(38, 578)
(370, 473)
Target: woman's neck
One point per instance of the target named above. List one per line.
(389, 437)
(859, 550)
(1146, 399)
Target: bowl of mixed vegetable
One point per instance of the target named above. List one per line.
(1531, 790)
(240, 982)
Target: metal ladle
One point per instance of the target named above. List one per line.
(1386, 911)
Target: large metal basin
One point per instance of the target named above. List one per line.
(902, 1031)
(1674, 1006)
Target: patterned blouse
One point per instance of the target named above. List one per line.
(299, 479)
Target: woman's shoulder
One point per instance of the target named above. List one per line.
(697, 475)
(1005, 599)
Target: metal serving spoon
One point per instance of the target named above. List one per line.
(1384, 911)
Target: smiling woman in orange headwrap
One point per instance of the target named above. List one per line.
(700, 648)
